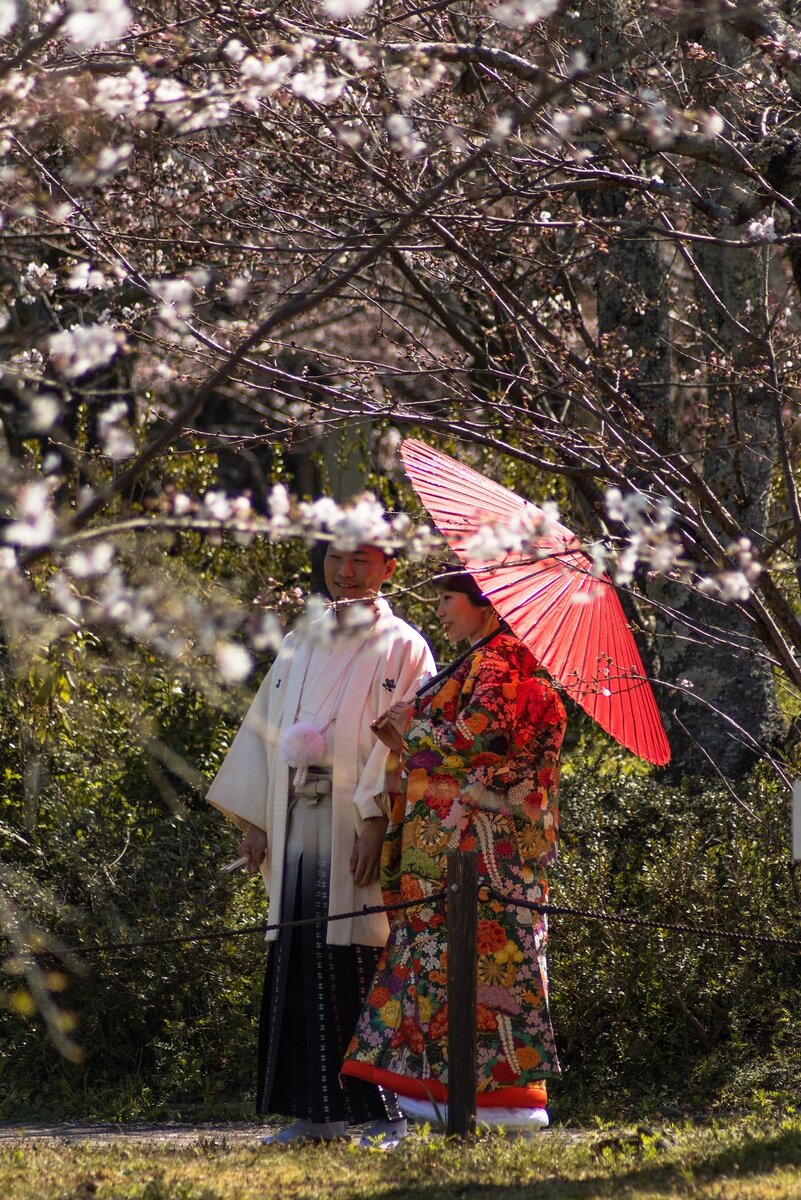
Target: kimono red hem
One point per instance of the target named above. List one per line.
(534, 1096)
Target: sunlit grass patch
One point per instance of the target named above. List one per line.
(723, 1160)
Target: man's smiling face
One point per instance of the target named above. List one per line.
(356, 574)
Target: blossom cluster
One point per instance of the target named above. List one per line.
(651, 539)
(531, 531)
(83, 348)
(90, 583)
(734, 583)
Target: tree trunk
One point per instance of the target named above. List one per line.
(730, 703)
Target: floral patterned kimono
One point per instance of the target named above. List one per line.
(479, 771)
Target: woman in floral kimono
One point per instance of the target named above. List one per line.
(479, 771)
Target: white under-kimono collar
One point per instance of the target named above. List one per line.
(303, 743)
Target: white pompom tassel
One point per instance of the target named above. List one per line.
(301, 746)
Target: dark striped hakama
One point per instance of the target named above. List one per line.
(313, 992)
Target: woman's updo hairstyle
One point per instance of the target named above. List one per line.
(449, 580)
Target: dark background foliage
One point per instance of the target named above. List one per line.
(647, 1020)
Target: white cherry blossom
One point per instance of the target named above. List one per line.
(217, 505)
(233, 661)
(763, 229)
(176, 296)
(115, 433)
(8, 16)
(93, 22)
(84, 275)
(278, 501)
(44, 412)
(316, 85)
(95, 560)
(123, 95)
(341, 10)
(82, 348)
(519, 13)
(36, 521)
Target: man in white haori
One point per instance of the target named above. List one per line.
(305, 778)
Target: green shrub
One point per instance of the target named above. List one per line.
(658, 1017)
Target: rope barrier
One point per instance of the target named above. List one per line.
(367, 910)
(550, 910)
(555, 910)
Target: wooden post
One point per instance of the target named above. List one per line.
(462, 989)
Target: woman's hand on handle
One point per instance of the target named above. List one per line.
(392, 725)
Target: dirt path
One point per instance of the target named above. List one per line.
(178, 1135)
(97, 1134)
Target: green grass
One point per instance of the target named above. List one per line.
(734, 1159)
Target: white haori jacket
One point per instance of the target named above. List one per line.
(252, 785)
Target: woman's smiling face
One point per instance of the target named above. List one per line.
(460, 617)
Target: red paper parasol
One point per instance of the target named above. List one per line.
(570, 618)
